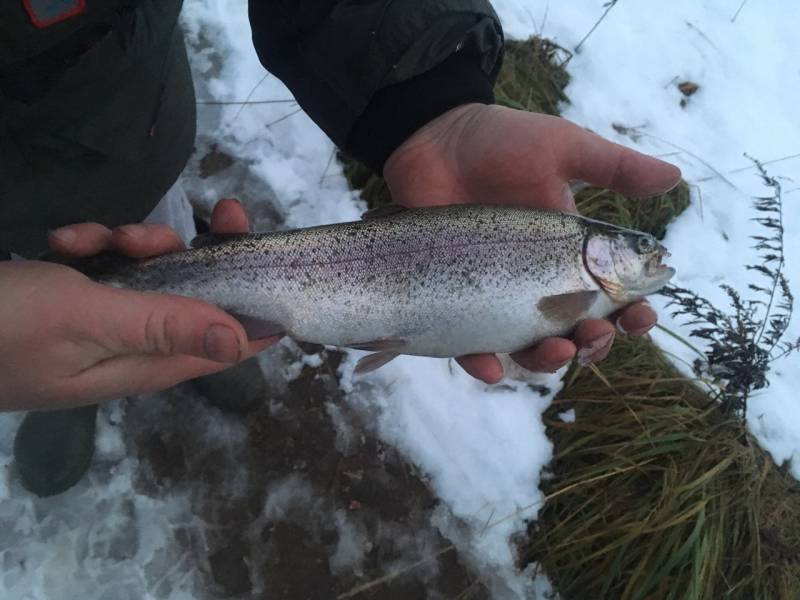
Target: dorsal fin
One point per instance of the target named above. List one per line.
(387, 210)
(214, 239)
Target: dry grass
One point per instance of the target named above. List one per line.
(533, 76)
(651, 215)
(703, 513)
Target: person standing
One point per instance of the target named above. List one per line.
(97, 120)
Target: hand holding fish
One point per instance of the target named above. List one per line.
(493, 272)
(68, 340)
(491, 154)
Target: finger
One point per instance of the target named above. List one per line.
(548, 356)
(142, 373)
(594, 339)
(603, 163)
(137, 374)
(486, 367)
(637, 319)
(82, 239)
(160, 324)
(229, 216)
(146, 240)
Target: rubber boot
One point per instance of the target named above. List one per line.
(53, 449)
(239, 389)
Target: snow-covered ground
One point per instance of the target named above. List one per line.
(481, 448)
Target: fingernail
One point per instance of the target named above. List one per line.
(133, 231)
(633, 332)
(221, 344)
(498, 376)
(619, 326)
(641, 331)
(64, 235)
(596, 351)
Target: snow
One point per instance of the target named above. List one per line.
(482, 448)
(747, 104)
(568, 416)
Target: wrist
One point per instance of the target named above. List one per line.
(431, 155)
(397, 111)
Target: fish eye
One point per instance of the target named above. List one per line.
(645, 244)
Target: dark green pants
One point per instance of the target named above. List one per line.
(105, 143)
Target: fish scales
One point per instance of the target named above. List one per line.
(440, 281)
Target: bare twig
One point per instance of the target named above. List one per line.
(751, 167)
(283, 118)
(738, 10)
(327, 166)
(609, 5)
(745, 341)
(546, 14)
(250, 95)
(699, 31)
(637, 131)
(245, 102)
(395, 574)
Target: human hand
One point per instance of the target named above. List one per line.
(477, 153)
(66, 340)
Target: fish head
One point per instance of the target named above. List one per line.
(627, 264)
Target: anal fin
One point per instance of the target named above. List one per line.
(374, 361)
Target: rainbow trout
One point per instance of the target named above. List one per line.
(442, 281)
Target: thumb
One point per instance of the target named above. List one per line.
(160, 324)
(603, 163)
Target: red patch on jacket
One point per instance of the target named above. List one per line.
(44, 13)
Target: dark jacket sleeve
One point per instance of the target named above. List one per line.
(371, 72)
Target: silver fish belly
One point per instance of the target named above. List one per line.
(439, 282)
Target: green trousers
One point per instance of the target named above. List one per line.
(104, 144)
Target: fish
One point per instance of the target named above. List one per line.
(438, 281)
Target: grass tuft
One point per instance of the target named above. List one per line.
(533, 76)
(703, 513)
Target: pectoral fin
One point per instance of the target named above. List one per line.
(258, 329)
(567, 307)
(374, 361)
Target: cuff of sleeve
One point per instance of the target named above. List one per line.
(397, 111)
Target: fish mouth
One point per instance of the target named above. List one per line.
(656, 268)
